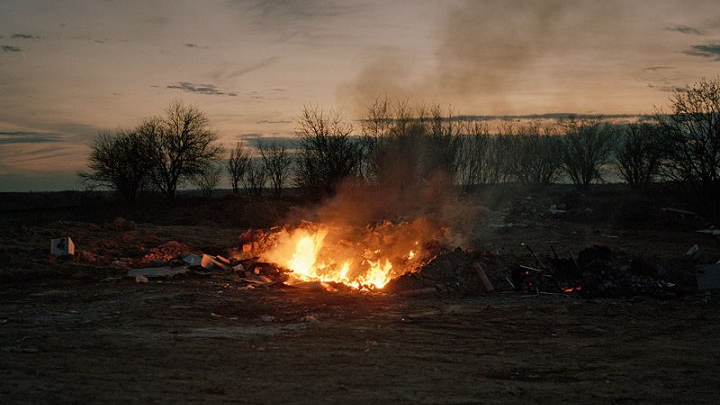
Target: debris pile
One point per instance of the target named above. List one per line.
(456, 272)
(597, 271)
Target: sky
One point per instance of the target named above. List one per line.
(72, 68)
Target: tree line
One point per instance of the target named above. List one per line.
(400, 145)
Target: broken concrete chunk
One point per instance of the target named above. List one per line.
(158, 272)
(693, 250)
(62, 246)
(708, 277)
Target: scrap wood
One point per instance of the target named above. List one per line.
(484, 278)
(530, 268)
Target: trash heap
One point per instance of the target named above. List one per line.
(596, 271)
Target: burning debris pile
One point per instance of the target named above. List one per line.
(398, 258)
(362, 258)
(405, 257)
(413, 258)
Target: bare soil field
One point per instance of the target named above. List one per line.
(80, 331)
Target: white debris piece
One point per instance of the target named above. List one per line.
(62, 246)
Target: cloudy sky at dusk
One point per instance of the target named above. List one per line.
(71, 68)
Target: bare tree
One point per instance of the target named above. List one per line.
(693, 135)
(639, 152)
(535, 157)
(237, 165)
(277, 163)
(586, 146)
(208, 180)
(472, 169)
(184, 146)
(443, 145)
(255, 177)
(120, 160)
(405, 146)
(328, 151)
(499, 160)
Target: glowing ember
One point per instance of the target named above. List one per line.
(368, 258)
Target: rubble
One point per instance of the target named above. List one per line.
(597, 271)
(453, 272)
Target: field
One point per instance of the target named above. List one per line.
(79, 331)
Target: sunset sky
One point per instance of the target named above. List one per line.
(69, 69)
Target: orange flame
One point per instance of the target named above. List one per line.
(311, 255)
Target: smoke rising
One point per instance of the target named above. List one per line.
(492, 56)
(409, 176)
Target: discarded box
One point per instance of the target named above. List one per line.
(62, 246)
(708, 277)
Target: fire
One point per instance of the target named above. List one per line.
(303, 260)
(378, 275)
(364, 259)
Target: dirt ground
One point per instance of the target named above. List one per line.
(79, 331)
(202, 340)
